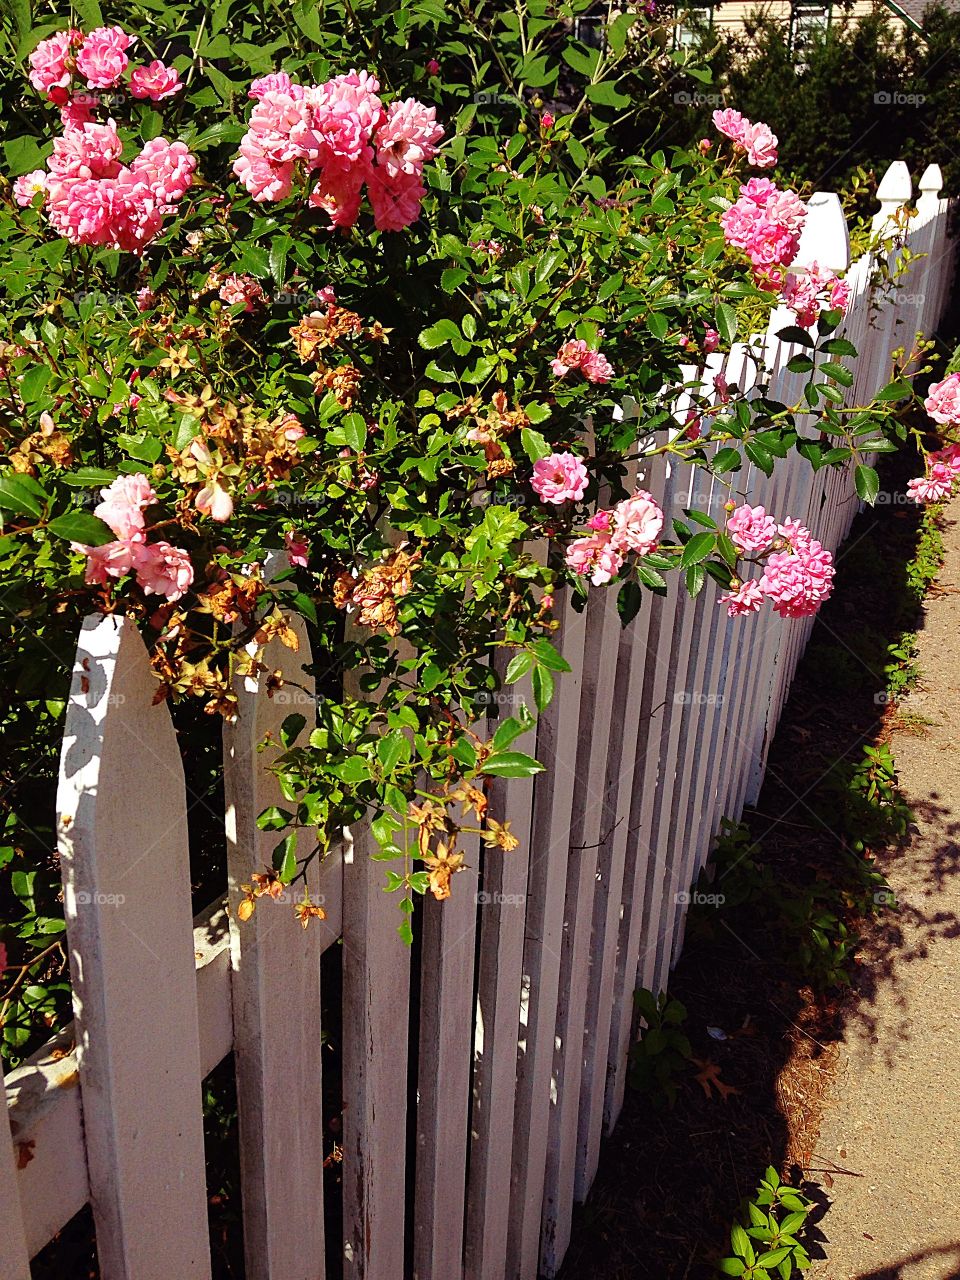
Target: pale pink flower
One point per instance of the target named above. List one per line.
(298, 549)
(948, 456)
(943, 400)
(711, 340)
(48, 62)
(797, 584)
(408, 137)
(162, 569)
(167, 168)
(596, 367)
(730, 123)
(146, 299)
(396, 201)
(275, 82)
(935, 486)
(214, 501)
(637, 523)
(795, 533)
(570, 356)
(765, 222)
(596, 557)
(760, 143)
(112, 560)
(839, 295)
(560, 478)
(239, 288)
(102, 58)
(751, 529)
(747, 598)
(29, 185)
(123, 503)
(90, 151)
(155, 81)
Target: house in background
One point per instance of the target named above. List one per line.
(801, 17)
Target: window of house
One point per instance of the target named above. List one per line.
(806, 19)
(692, 22)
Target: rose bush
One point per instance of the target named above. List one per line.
(369, 287)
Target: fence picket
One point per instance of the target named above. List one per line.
(14, 1259)
(276, 995)
(123, 847)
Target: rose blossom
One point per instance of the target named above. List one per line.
(935, 486)
(596, 556)
(162, 569)
(798, 583)
(560, 478)
(711, 340)
(761, 145)
(112, 560)
(146, 299)
(29, 185)
(575, 354)
(214, 501)
(123, 504)
(729, 122)
(298, 548)
(102, 58)
(943, 400)
(751, 529)
(408, 137)
(155, 81)
(48, 63)
(747, 598)
(238, 288)
(637, 523)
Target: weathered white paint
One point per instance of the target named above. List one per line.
(14, 1258)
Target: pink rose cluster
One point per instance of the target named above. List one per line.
(765, 223)
(757, 140)
(575, 354)
(160, 568)
(797, 574)
(812, 291)
(341, 132)
(99, 59)
(632, 526)
(943, 465)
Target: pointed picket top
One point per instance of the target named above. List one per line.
(931, 184)
(894, 191)
(825, 239)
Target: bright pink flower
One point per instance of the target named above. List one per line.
(760, 143)
(797, 534)
(263, 178)
(798, 583)
(433, 67)
(91, 151)
(146, 299)
(812, 291)
(162, 569)
(949, 456)
(275, 82)
(721, 388)
(637, 523)
(596, 556)
(48, 62)
(751, 529)
(298, 548)
(396, 201)
(575, 354)
(839, 295)
(704, 146)
(29, 185)
(339, 193)
(102, 59)
(167, 168)
(546, 122)
(765, 222)
(214, 501)
(123, 504)
(943, 400)
(3, 956)
(730, 123)
(155, 81)
(747, 598)
(600, 521)
(78, 110)
(560, 478)
(112, 560)
(935, 486)
(711, 340)
(408, 137)
(238, 288)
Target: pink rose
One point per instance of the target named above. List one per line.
(730, 123)
(102, 59)
(408, 137)
(711, 340)
(761, 145)
(637, 523)
(146, 299)
(596, 557)
(29, 185)
(155, 81)
(747, 598)
(560, 478)
(214, 501)
(943, 400)
(298, 548)
(112, 560)
(935, 486)
(751, 529)
(798, 583)
(123, 505)
(48, 62)
(236, 289)
(162, 569)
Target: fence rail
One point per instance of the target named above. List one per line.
(524, 980)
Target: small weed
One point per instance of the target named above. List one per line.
(663, 1050)
(768, 1241)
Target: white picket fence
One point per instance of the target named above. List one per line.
(658, 731)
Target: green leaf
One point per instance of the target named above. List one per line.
(696, 577)
(895, 390)
(727, 459)
(732, 1267)
(285, 858)
(651, 578)
(726, 322)
(438, 334)
(759, 455)
(22, 495)
(534, 444)
(508, 731)
(255, 260)
(34, 383)
(546, 654)
(452, 278)
(629, 600)
(698, 548)
(519, 666)
(278, 259)
(390, 749)
(512, 764)
(81, 526)
(543, 685)
(867, 483)
(291, 729)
